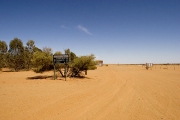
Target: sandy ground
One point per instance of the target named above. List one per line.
(108, 93)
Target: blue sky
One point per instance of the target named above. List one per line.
(116, 31)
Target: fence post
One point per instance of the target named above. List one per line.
(54, 71)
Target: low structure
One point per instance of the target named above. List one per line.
(149, 65)
(99, 62)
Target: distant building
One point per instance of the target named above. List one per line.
(99, 62)
(149, 65)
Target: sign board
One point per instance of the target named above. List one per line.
(63, 58)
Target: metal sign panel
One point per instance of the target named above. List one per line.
(63, 58)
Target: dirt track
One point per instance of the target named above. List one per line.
(109, 93)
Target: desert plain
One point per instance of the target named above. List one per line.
(114, 92)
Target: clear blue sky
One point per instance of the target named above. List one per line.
(116, 31)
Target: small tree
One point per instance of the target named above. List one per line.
(82, 64)
(28, 53)
(71, 54)
(3, 47)
(60, 67)
(3, 51)
(76, 65)
(15, 56)
(42, 61)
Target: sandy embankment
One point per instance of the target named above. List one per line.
(109, 93)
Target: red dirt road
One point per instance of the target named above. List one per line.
(109, 93)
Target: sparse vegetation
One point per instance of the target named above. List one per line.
(77, 65)
(82, 64)
(3, 51)
(20, 57)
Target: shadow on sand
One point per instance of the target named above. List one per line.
(81, 77)
(39, 77)
(52, 77)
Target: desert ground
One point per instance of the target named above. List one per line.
(114, 92)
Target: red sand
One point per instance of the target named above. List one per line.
(108, 93)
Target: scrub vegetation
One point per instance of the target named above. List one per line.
(29, 57)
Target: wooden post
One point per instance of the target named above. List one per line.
(54, 71)
(65, 71)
